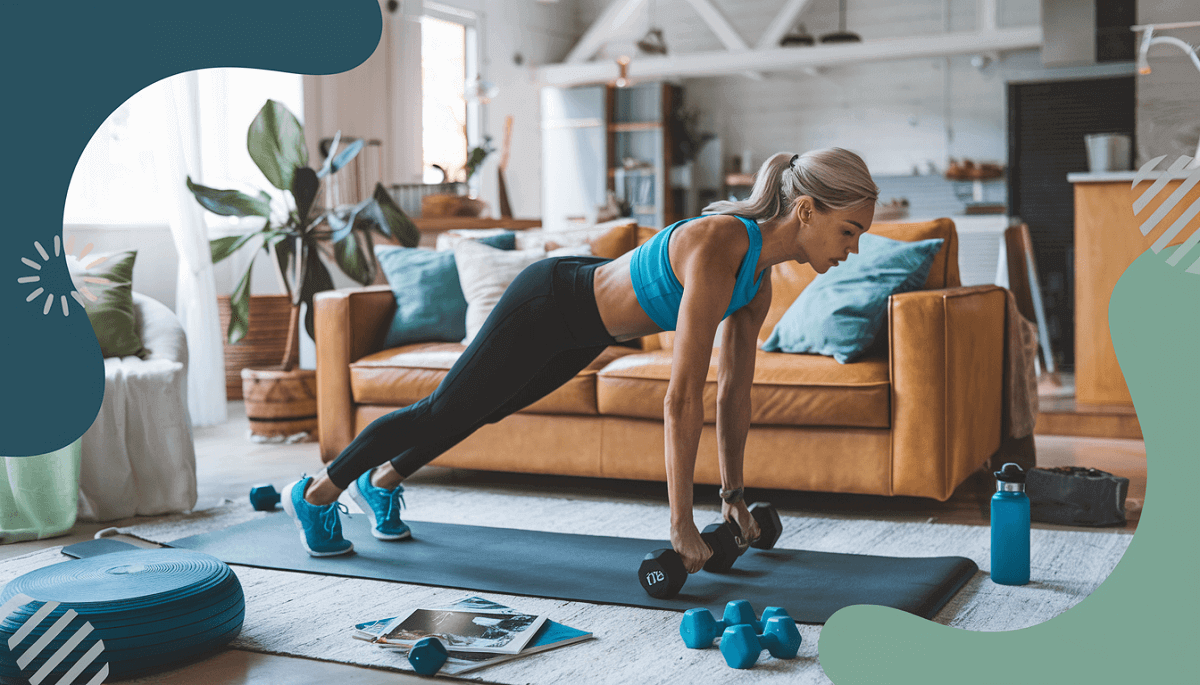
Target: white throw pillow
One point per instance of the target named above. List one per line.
(484, 273)
(446, 240)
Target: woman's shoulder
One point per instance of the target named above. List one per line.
(715, 239)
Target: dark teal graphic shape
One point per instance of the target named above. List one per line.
(1139, 625)
(67, 67)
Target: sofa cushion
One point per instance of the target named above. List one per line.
(403, 375)
(788, 390)
(789, 278)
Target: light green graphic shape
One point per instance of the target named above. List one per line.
(1141, 624)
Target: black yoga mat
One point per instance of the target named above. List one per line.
(589, 568)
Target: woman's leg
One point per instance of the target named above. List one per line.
(561, 368)
(521, 334)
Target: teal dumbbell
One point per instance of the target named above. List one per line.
(698, 627)
(263, 497)
(741, 645)
(427, 656)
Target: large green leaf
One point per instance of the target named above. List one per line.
(304, 190)
(348, 154)
(328, 165)
(230, 202)
(221, 248)
(239, 308)
(380, 213)
(276, 144)
(354, 255)
(316, 279)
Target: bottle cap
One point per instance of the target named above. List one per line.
(1010, 473)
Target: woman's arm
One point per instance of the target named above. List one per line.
(739, 346)
(708, 277)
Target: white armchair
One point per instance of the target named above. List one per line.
(138, 456)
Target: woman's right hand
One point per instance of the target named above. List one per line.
(686, 540)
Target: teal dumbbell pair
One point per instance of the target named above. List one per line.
(743, 636)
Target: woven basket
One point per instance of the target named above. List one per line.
(263, 345)
(281, 405)
(442, 204)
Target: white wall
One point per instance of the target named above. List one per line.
(899, 115)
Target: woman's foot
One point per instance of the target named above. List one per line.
(382, 506)
(320, 526)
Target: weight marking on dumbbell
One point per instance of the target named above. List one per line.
(655, 577)
(36, 648)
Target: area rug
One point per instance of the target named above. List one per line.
(309, 616)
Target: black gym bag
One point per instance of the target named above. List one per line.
(1075, 496)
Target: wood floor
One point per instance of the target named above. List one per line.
(228, 464)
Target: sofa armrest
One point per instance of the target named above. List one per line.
(349, 324)
(946, 361)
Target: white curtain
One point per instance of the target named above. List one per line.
(177, 155)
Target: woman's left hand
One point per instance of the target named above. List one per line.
(739, 514)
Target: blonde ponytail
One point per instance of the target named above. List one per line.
(834, 178)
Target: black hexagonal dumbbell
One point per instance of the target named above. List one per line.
(264, 497)
(662, 573)
(768, 523)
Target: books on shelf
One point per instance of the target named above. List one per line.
(477, 633)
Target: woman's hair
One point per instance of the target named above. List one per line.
(833, 177)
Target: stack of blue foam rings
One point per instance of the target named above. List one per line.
(152, 608)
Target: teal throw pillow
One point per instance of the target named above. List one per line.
(430, 306)
(842, 310)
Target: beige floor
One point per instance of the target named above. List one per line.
(228, 465)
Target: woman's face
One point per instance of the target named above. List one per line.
(830, 237)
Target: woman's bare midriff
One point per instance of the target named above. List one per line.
(619, 309)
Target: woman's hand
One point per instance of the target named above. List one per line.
(739, 514)
(686, 540)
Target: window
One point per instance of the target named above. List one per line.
(449, 123)
(115, 181)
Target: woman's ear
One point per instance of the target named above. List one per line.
(803, 211)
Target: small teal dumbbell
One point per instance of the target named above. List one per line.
(698, 627)
(427, 656)
(263, 497)
(741, 645)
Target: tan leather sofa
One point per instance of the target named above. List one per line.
(916, 417)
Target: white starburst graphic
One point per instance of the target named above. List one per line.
(79, 287)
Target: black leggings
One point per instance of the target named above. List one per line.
(544, 330)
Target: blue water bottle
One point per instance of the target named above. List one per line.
(1010, 527)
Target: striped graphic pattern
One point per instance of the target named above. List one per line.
(1152, 221)
(31, 652)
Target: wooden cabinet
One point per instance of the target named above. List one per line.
(640, 144)
(1107, 241)
(601, 139)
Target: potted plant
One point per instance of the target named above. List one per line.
(280, 401)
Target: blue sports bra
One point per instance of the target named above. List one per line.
(659, 291)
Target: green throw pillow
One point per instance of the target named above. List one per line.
(111, 311)
(842, 310)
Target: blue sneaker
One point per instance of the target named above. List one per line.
(383, 506)
(320, 527)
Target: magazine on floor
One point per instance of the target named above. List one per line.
(463, 630)
(549, 635)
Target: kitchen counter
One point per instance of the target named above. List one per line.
(1127, 176)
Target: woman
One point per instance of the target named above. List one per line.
(560, 314)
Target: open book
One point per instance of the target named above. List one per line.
(548, 635)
